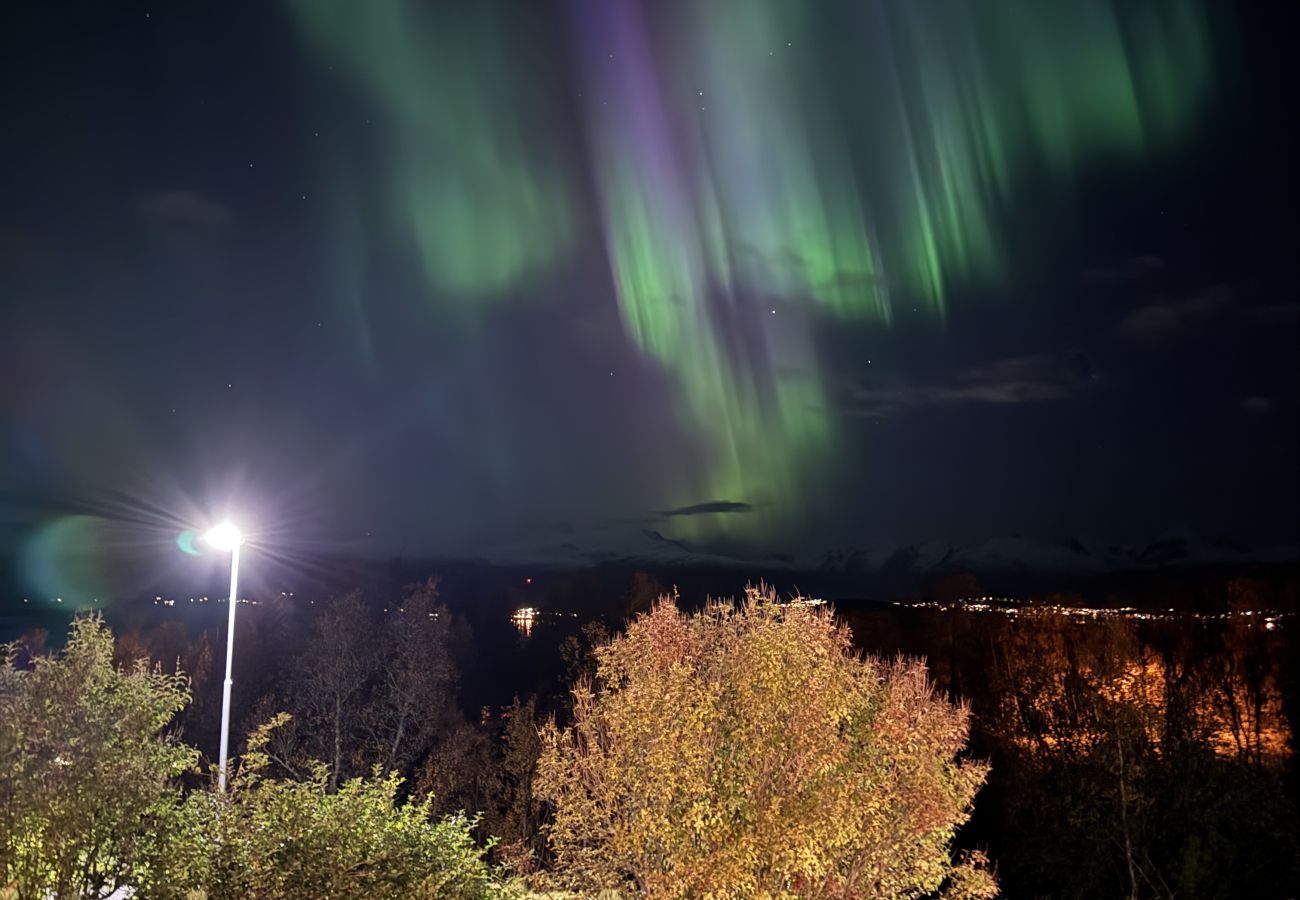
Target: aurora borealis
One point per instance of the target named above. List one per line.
(746, 275)
(757, 169)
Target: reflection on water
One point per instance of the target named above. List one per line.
(524, 619)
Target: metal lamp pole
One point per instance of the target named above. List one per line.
(227, 537)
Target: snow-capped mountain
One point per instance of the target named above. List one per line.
(1076, 555)
(637, 544)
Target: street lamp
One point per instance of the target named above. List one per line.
(226, 537)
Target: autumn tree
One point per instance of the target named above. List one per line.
(517, 817)
(86, 766)
(746, 750)
(491, 767)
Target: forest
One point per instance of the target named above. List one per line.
(767, 747)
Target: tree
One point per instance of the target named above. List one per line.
(578, 652)
(86, 766)
(748, 751)
(369, 693)
(491, 767)
(518, 820)
(458, 773)
(642, 594)
(331, 681)
(1246, 674)
(414, 700)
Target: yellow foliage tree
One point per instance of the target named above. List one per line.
(748, 751)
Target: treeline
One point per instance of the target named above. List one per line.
(740, 750)
(1130, 757)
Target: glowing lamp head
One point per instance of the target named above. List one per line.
(224, 536)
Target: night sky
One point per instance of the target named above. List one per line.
(756, 276)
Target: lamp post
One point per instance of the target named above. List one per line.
(227, 537)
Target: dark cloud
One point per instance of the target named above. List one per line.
(1278, 312)
(712, 506)
(1017, 379)
(1032, 368)
(1131, 270)
(185, 208)
(1257, 406)
(1157, 321)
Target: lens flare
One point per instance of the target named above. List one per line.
(186, 542)
(68, 561)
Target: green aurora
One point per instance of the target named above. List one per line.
(756, 169)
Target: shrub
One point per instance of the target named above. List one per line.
(86, 766)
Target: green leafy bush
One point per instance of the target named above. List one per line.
(86, 767)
